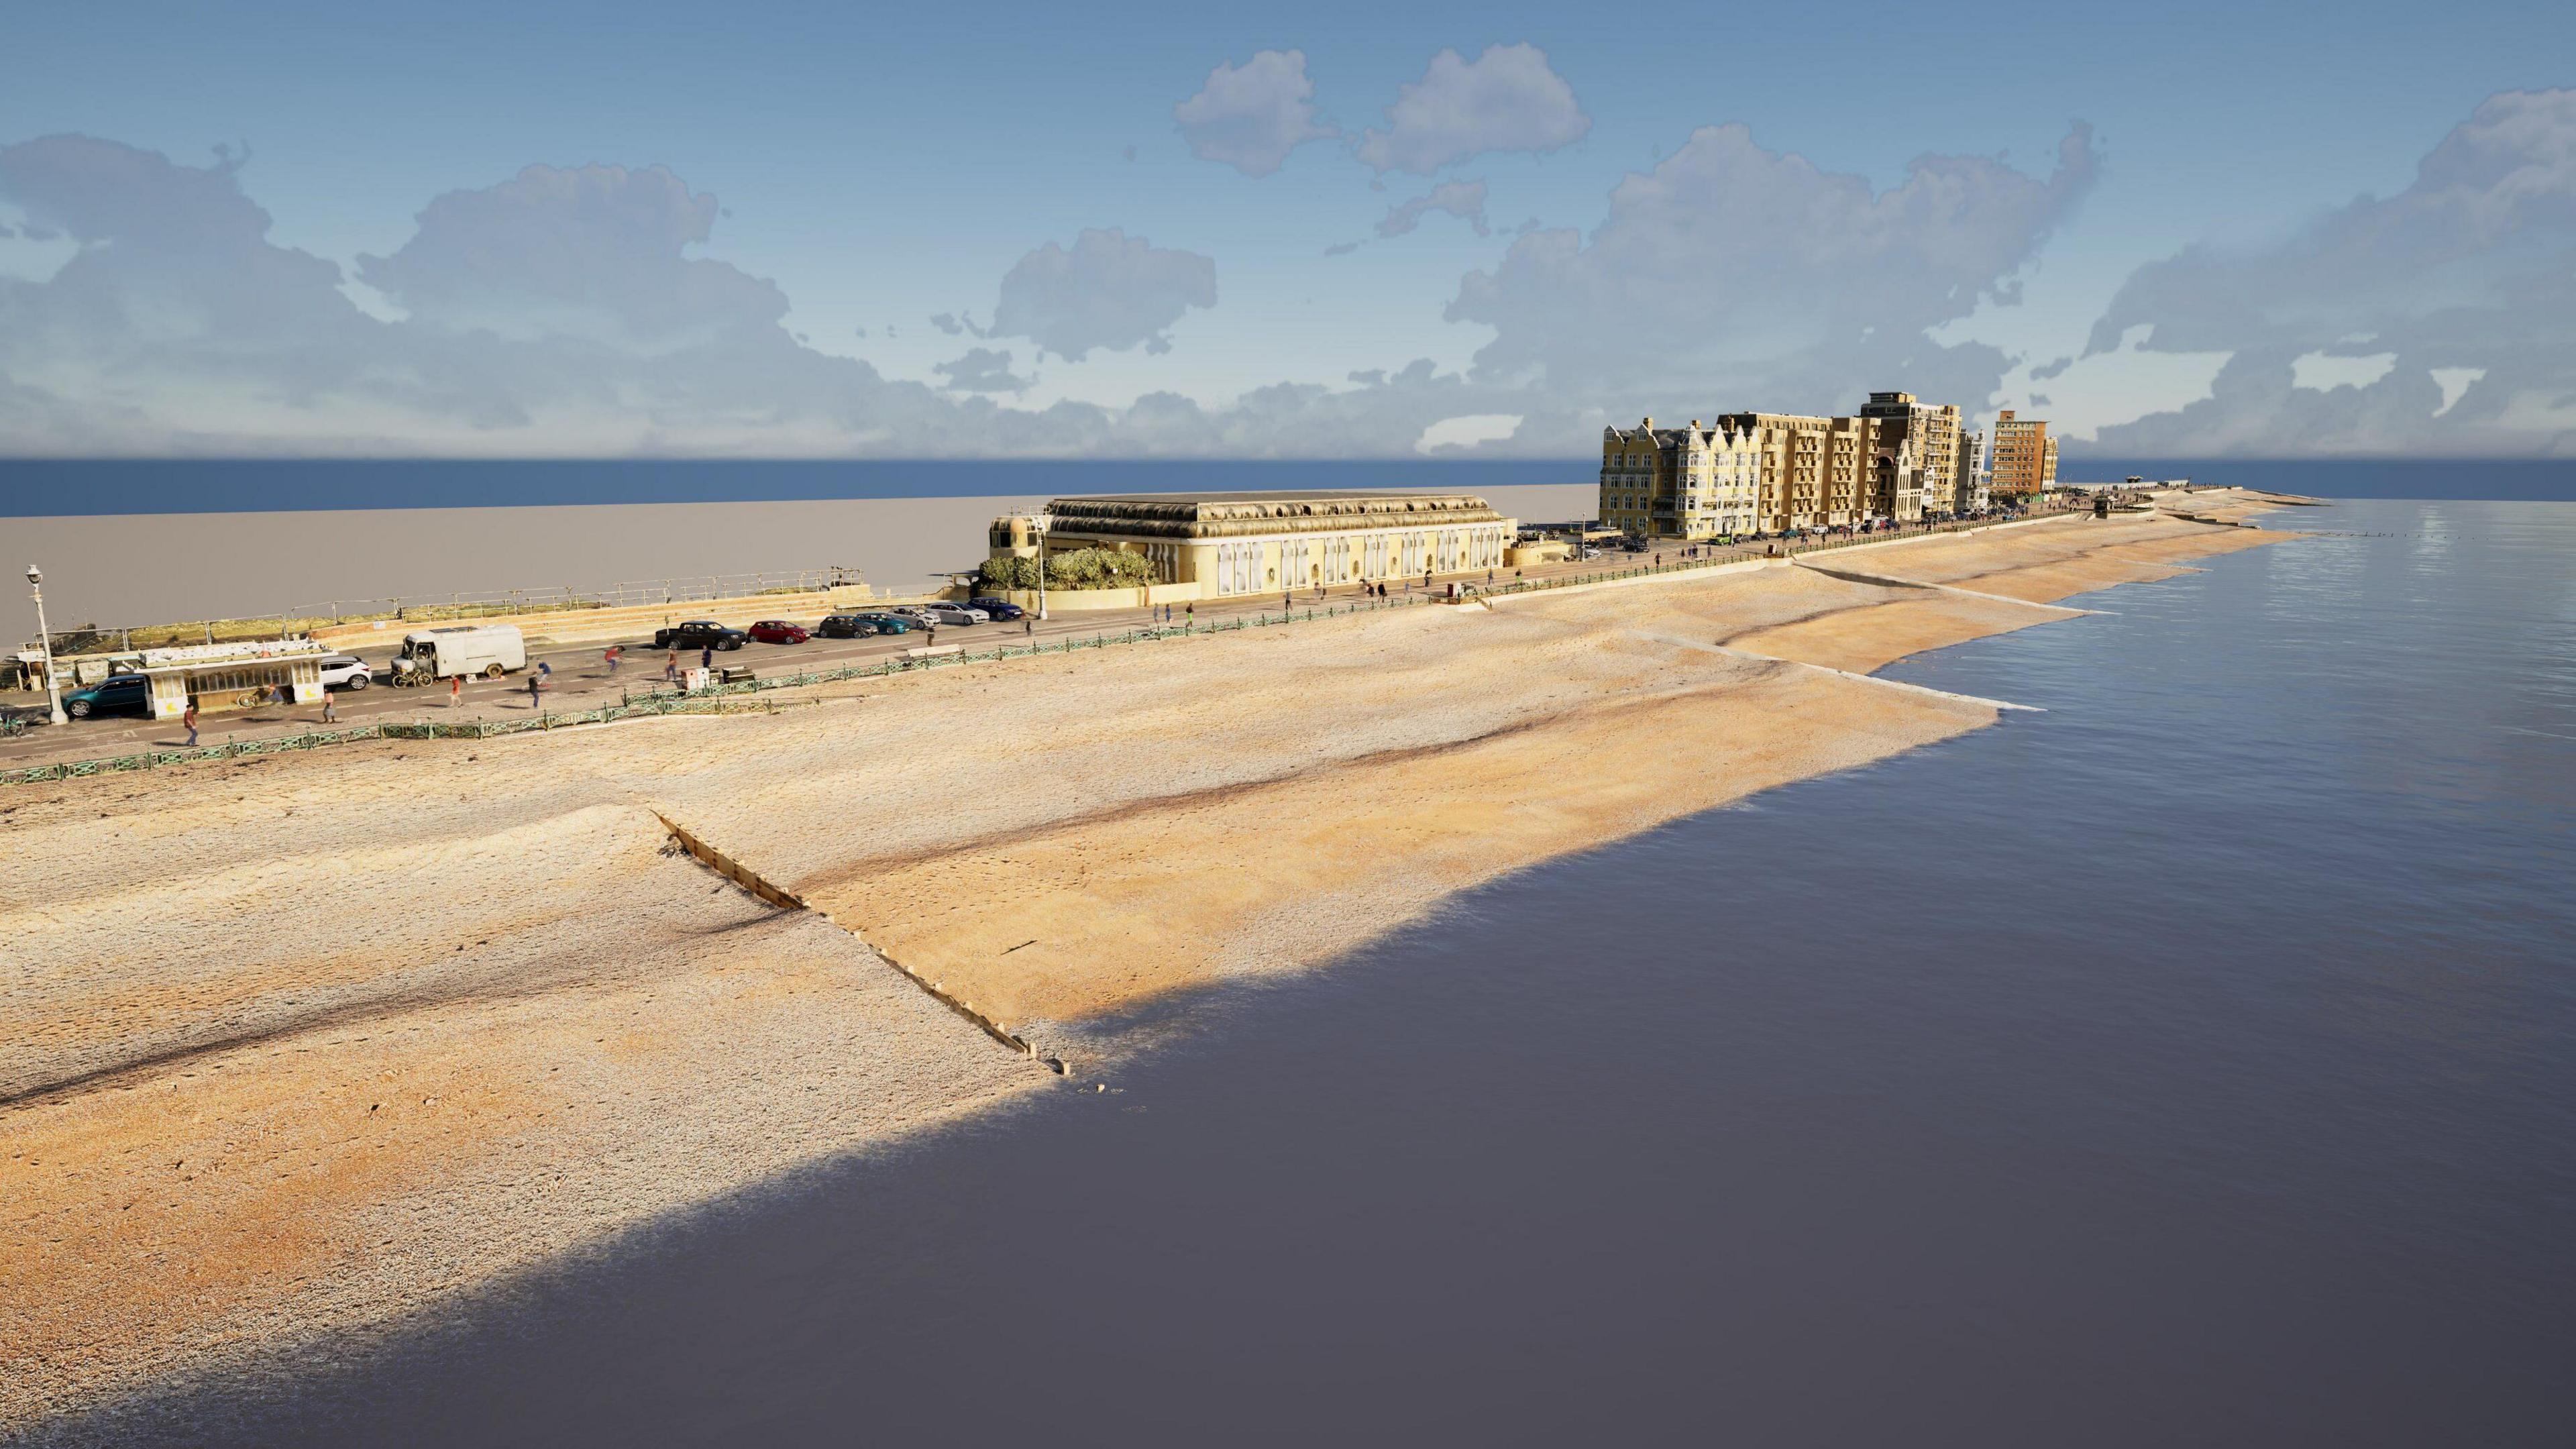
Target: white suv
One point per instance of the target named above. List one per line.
(344, 671)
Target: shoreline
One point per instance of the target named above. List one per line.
(1091, 865)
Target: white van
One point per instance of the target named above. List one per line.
(490, 650)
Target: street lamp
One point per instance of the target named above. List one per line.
(45, 641)
(1038, 525)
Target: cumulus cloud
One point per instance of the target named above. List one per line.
(1108, 290)
(1507, 99)
(1732, 276)
(592, 251)
(1462, 199)
(178, 328)
(982, 370)
(2434, 321)
(1250, 117)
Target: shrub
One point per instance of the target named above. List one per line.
(1080, 568)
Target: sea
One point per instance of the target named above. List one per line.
(2191, 1061)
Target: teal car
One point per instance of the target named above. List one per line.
(116, 694)
(887, 623)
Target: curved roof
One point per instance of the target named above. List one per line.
(1234, 515)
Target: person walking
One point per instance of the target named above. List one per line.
(535, 683)
(1028, 626)
(671, 668)
(330, 707)
(455, 690)
(615, 653)
(188, 717)
(706, 656)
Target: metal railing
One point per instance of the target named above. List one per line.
(447, 608)
(720, 698)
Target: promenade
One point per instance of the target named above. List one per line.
(578, 678)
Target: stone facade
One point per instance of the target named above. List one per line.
(1225, 545)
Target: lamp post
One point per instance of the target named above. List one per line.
(1038, 526)
(45, 641)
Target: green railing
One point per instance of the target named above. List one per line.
(717, 698)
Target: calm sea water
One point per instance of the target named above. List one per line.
(2192, 1063)
(42, 487)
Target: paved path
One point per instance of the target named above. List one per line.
(581, 680)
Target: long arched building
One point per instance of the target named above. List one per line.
(1250, 543)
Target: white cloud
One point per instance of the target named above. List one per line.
(2326, 371)
(2465, 281)
(1507, 99)
(1251, 117)
(593, 252)
(1468, 431)
(1731, 276)
(1109, 290)
(179, 329)
(2454, 383)
(982, 370)
(1462, 199)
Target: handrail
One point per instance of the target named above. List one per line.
(715, 698)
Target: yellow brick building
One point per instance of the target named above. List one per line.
(1691, 482)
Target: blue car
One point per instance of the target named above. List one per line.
(1001, 610)
(116, 694)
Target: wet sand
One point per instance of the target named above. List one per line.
(299, 1046)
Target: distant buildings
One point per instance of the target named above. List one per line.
(2025, 461)
(1897, 458)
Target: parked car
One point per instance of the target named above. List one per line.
(346, 671)
(116, 694)
(778, 631)
(1001, 610)
(844, 626)
(887, 623)
(697, 634)
(925, 615)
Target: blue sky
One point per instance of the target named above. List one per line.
(877, 167)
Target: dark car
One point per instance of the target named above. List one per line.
(886, 623)
(116, 694)
(1002, 610)
(778, 631)
(697, 634)
(845, 626)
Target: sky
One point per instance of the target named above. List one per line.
(1327, 230)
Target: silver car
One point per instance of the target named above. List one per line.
(954, 614)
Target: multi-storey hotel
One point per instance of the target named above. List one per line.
(1896, 458)
(2025, 457)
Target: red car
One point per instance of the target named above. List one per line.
(779, 631)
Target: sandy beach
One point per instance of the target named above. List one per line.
(298, 1047)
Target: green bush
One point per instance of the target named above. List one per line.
(1081, 568)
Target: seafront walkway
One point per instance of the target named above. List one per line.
(580, 685)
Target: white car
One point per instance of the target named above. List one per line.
(345, 671)
(953, 614)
